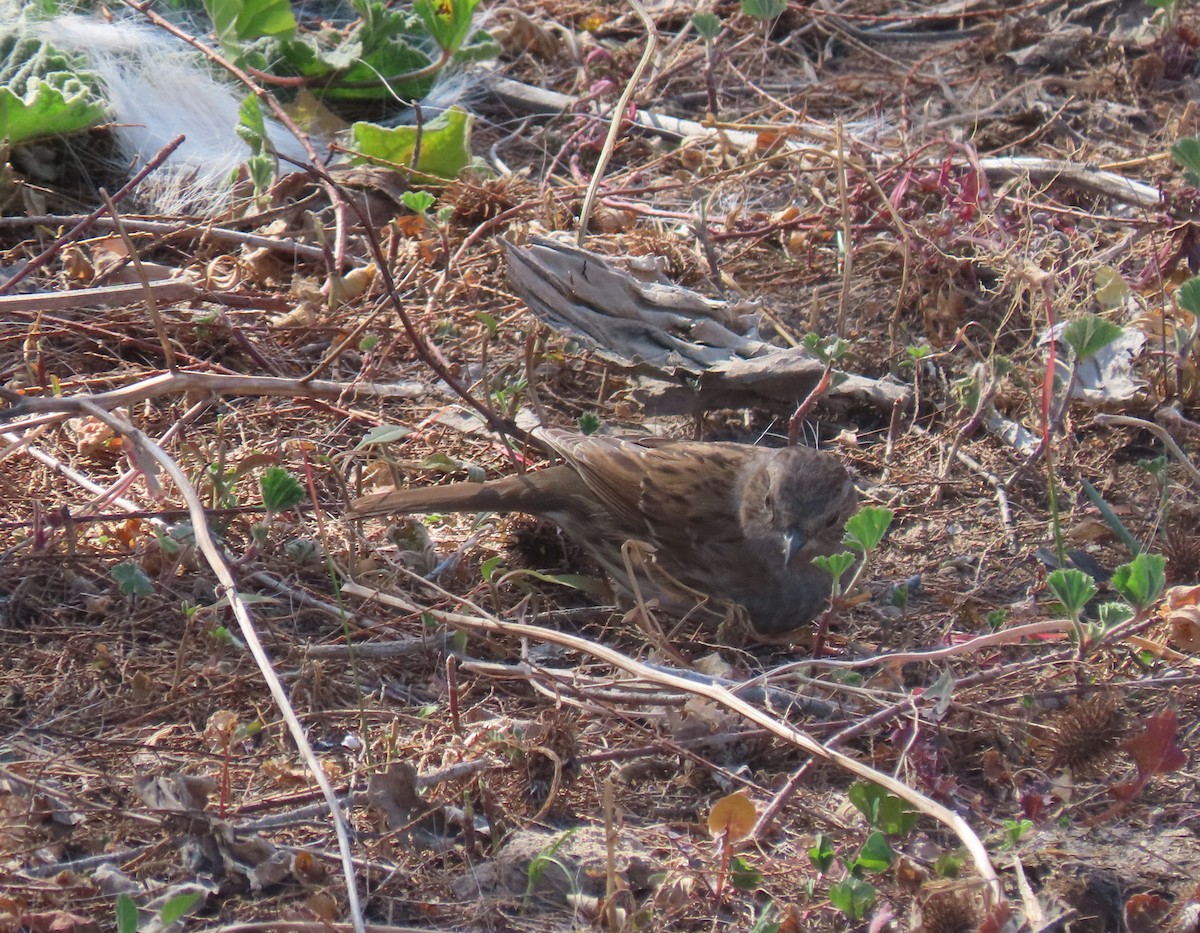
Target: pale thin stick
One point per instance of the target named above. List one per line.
(618, 118)
(173, 230)
(102, 296)
(1008, 636)
(1158, 431)
(847, 230)
(147, 292)
(207, 545)
(217, 384)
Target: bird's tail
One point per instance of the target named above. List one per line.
(504, 495)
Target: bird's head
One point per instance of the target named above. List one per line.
(802, 498)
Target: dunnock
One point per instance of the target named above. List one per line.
(733, 522)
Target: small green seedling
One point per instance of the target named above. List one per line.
(1141, 580)
(131, 579)
(280, 490)
(764, 9)
(1073, 588)
(708, 25)
(1015, 831)
(821, 854)
(853, 897)
(174, 909)
(882, 811)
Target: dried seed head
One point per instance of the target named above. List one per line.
(474, 200)
(1084, 736)
(1181, 547)
(550, 758)
(952, 911)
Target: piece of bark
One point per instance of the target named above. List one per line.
(694, 353)
(781, 379)
(649, 327)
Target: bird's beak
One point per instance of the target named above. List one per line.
(793, 542)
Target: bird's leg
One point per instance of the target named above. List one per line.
(641, 552)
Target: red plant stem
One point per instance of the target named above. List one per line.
(1048, 382)
(806, 406)
(1047, 428)
(452, 692)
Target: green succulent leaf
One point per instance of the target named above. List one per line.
(43, 92)
(445, 144)
(46, 110)
(384, 59)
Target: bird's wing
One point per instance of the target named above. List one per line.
(684, 493)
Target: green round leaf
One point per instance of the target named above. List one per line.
(875, 855)
(131, 579)
(853, 897)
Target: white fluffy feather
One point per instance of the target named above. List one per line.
(158, 89)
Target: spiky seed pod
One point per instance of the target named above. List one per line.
(951, 911)
(1085, 735)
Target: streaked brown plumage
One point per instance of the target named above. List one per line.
(735, 522)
